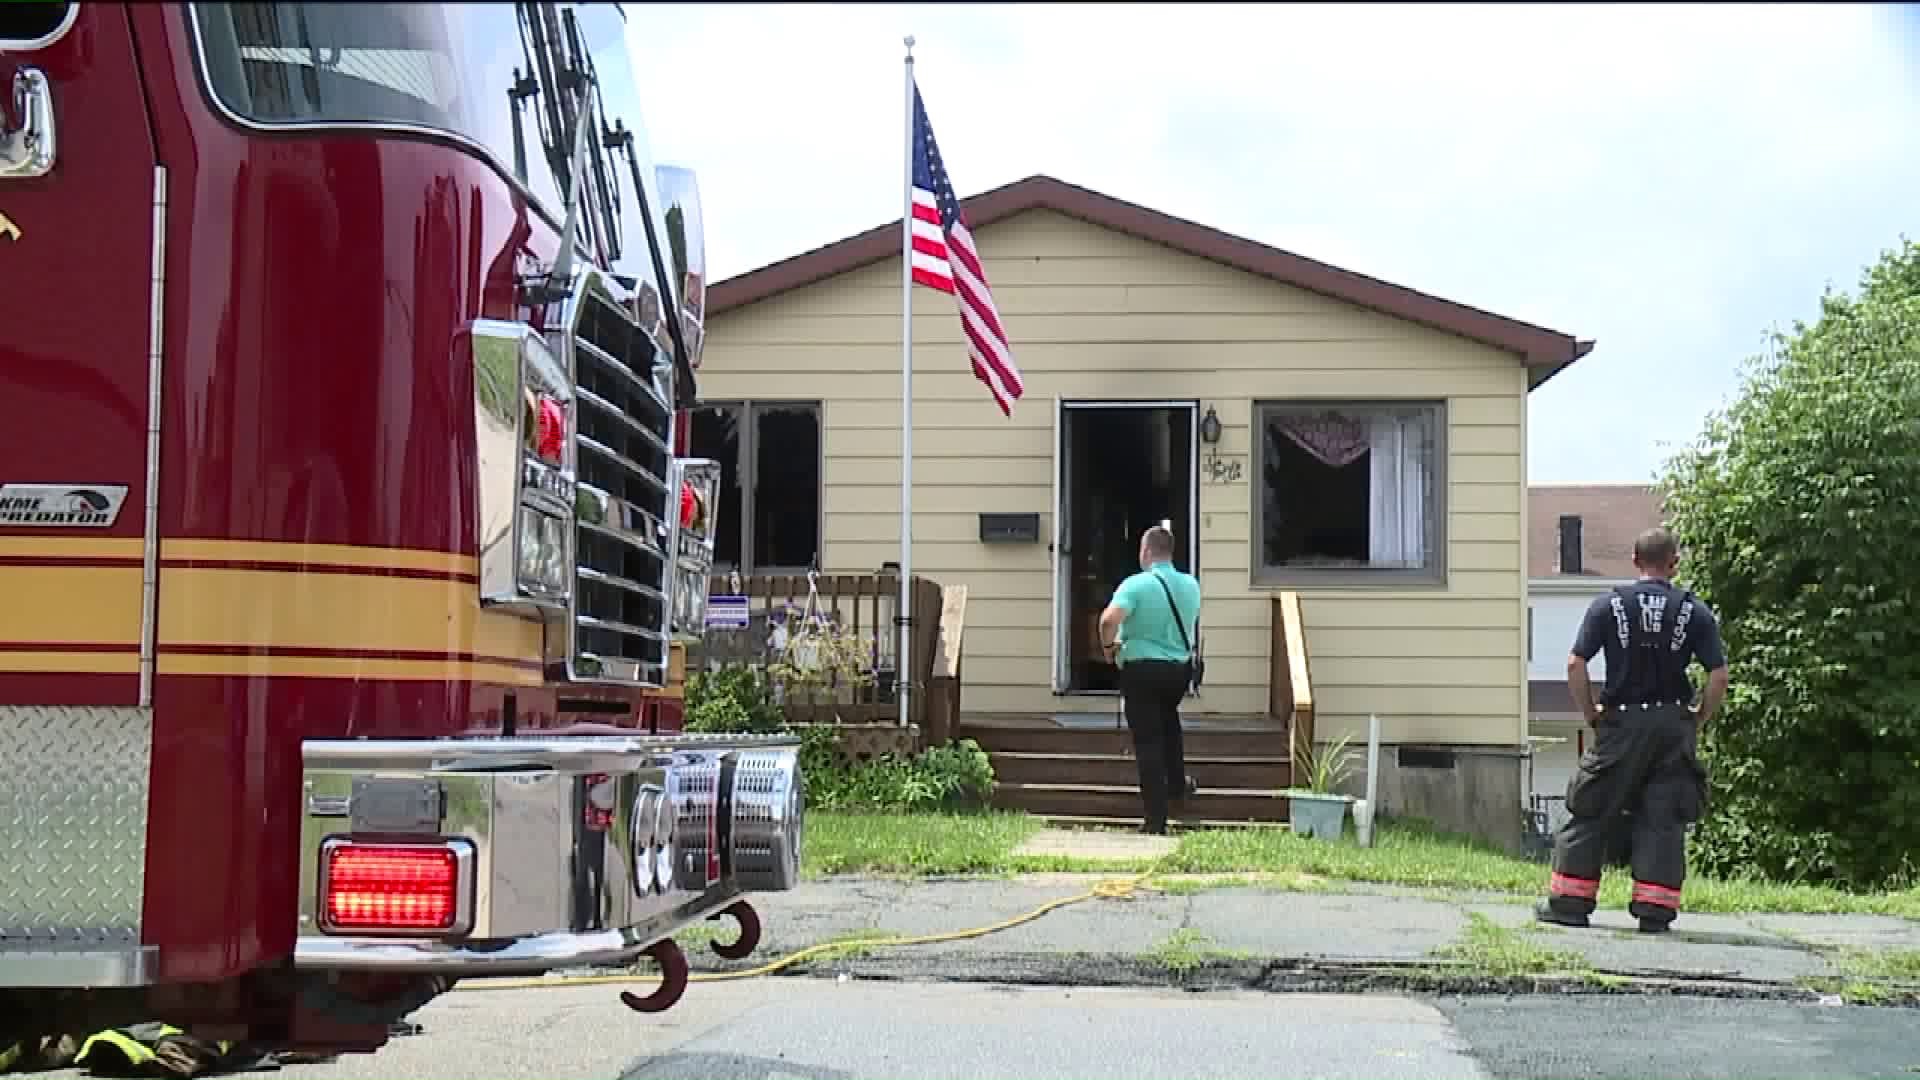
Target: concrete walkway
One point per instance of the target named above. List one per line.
(1097, 845)
(1339, 927)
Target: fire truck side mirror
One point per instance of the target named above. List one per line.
(687, 252)
(28, 149)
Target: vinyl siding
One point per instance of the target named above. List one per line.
(1096, 314)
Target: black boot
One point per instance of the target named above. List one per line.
(1653, 918)
(1544, 912)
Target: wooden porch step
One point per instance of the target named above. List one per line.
(1117, 802)
(1108, 741)
(1268, 773)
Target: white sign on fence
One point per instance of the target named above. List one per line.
(727, 613)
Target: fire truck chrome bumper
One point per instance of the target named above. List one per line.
(582, 850)
(514, 956)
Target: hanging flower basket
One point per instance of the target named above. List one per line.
(810, 653)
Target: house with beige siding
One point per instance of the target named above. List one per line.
(1304, 429)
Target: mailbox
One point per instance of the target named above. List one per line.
(1009, 528)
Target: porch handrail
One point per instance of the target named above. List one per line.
(1290, 681)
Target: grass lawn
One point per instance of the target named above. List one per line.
(958, 844)
(917, 844)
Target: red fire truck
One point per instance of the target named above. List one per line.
(346, 559)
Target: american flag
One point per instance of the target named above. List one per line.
(944, 258)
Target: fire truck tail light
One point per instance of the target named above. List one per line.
(389, 888)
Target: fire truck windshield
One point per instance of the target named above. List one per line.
(484, 73)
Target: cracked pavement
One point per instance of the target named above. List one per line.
(1164, 983)
(1247, 929)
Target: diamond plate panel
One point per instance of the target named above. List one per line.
(73, 824)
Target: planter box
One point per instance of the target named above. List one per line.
(1315, 815)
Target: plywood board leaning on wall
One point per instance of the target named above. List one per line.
(943, 689)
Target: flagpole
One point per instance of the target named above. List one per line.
(903, 660)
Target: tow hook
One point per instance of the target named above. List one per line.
(673, 979)
(748, 920)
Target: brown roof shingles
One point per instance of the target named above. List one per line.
(1611, 516)
(1537, 347)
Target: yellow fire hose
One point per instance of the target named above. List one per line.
(1110, 889)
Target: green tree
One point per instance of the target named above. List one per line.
(1795, 509)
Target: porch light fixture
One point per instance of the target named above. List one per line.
(1210, 427)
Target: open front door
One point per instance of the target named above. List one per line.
(1119, 467)
(1062, 592)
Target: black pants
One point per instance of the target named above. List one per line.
(1641, 775)
(1151, 691)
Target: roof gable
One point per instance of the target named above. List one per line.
(1535, 346)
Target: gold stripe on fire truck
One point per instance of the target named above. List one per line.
(346, 667)
(274, 551)
(46, 662)
(70, 547)
(65, 548)
(434, 624)
(69, 605)
(287, 609)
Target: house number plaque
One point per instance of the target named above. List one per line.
(1222, 470)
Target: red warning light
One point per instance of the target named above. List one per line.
(551, 444)
(689, 506)
(392, 887)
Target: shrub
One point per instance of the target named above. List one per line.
(732, 701)
(1795, 509)
(956, 776)
(960, 772)
(739, 700)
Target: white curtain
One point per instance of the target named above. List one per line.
(1397, 513)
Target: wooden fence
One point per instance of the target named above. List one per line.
(862, 605)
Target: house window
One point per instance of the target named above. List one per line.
(769, 455)
(1349, 492)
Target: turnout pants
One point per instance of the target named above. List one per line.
(1151, 692)
(1641, 775)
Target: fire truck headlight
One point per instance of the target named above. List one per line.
(529, 546)
(543, 551)
(559, 566)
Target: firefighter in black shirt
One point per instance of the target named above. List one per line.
(1643, 760)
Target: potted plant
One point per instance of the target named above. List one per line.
(1317, 809)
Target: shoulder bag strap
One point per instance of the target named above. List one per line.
(1179, 623)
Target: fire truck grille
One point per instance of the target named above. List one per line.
(625, 464)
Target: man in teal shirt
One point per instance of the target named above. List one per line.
(1154, 622)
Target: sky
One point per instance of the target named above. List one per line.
(1672, 182)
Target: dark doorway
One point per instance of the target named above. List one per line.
(1124, 469)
